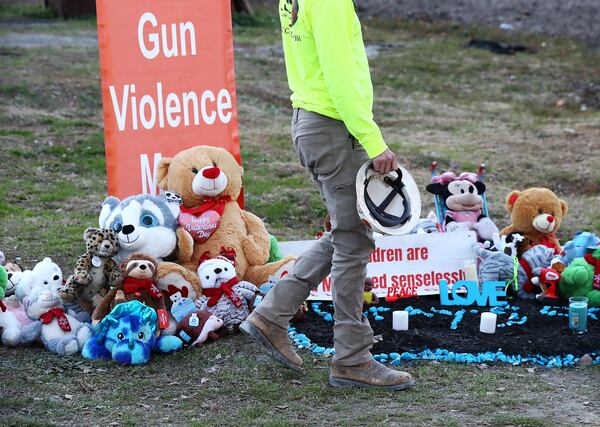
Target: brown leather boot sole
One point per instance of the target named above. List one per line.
(249, 329)
(370, 375)
(339, 382)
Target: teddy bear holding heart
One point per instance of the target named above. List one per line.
(211, 223)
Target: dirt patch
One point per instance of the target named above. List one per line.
(30, 40)
(578, 19)
(544, 331)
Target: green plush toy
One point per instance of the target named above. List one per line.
(578, 279)
(3, 281)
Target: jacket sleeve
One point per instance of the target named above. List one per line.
(332, 25)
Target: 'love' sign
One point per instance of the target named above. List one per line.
(486, 296)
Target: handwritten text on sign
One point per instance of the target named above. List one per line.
(406, 266)
(167, 84)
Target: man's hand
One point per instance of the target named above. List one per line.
(385, 162)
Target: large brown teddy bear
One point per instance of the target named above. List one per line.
(536, 214)
(209, 181)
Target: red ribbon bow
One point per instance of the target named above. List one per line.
(131, 285)
(226, 288)
(596, 264)
(61, 318)
(214, 204)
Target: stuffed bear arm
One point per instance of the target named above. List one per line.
(185, 245)
(256, 245)
(103, 307)
(246, 290)
(113, 275)
(82, 269)
(31, 332)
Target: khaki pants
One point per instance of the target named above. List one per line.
(332, 157)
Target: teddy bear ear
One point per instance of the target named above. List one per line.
(163, 172)
(565, 207)
(511, 199)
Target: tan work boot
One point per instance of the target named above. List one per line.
(274, 338)
(370, 375)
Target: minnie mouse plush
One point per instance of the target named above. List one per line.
(462, 197)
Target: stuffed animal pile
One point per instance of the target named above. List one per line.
(177, 270)
(160, 273)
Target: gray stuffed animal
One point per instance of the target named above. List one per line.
(223, 294)
(59, 332)
(497, 266)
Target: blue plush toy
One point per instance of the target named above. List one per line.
(577, 247)
(127, 335)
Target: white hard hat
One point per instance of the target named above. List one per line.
(389, 204)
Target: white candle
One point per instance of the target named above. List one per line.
(471, 271)
(400, 320)
(488, 323)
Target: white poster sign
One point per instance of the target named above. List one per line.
(409, 265)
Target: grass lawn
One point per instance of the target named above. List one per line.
(530, 117)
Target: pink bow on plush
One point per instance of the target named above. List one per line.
(447, 177)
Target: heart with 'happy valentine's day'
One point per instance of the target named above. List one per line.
(200, 227)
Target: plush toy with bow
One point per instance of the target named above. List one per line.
(224, 295)
(537, 214)
(139, 272)
(463, 201)
(59, 332)
(127, 335)
(211, 223)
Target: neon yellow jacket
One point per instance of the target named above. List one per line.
(327, 65)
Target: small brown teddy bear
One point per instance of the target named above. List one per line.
(139, 271)
(211, 223)
(95, 272)
(536, 213)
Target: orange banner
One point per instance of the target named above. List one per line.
(168, 83)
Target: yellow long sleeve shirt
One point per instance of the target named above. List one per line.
(327, 65)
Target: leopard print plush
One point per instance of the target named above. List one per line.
(95, 272)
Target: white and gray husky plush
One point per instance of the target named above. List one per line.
(143, 223)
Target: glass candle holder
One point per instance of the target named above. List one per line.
(578, 314)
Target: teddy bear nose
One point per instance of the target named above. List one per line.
(550, 218)
(218, 270)
(211, 173)
(9, 276)
(142, 267)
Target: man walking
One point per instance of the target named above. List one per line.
(333, 134)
